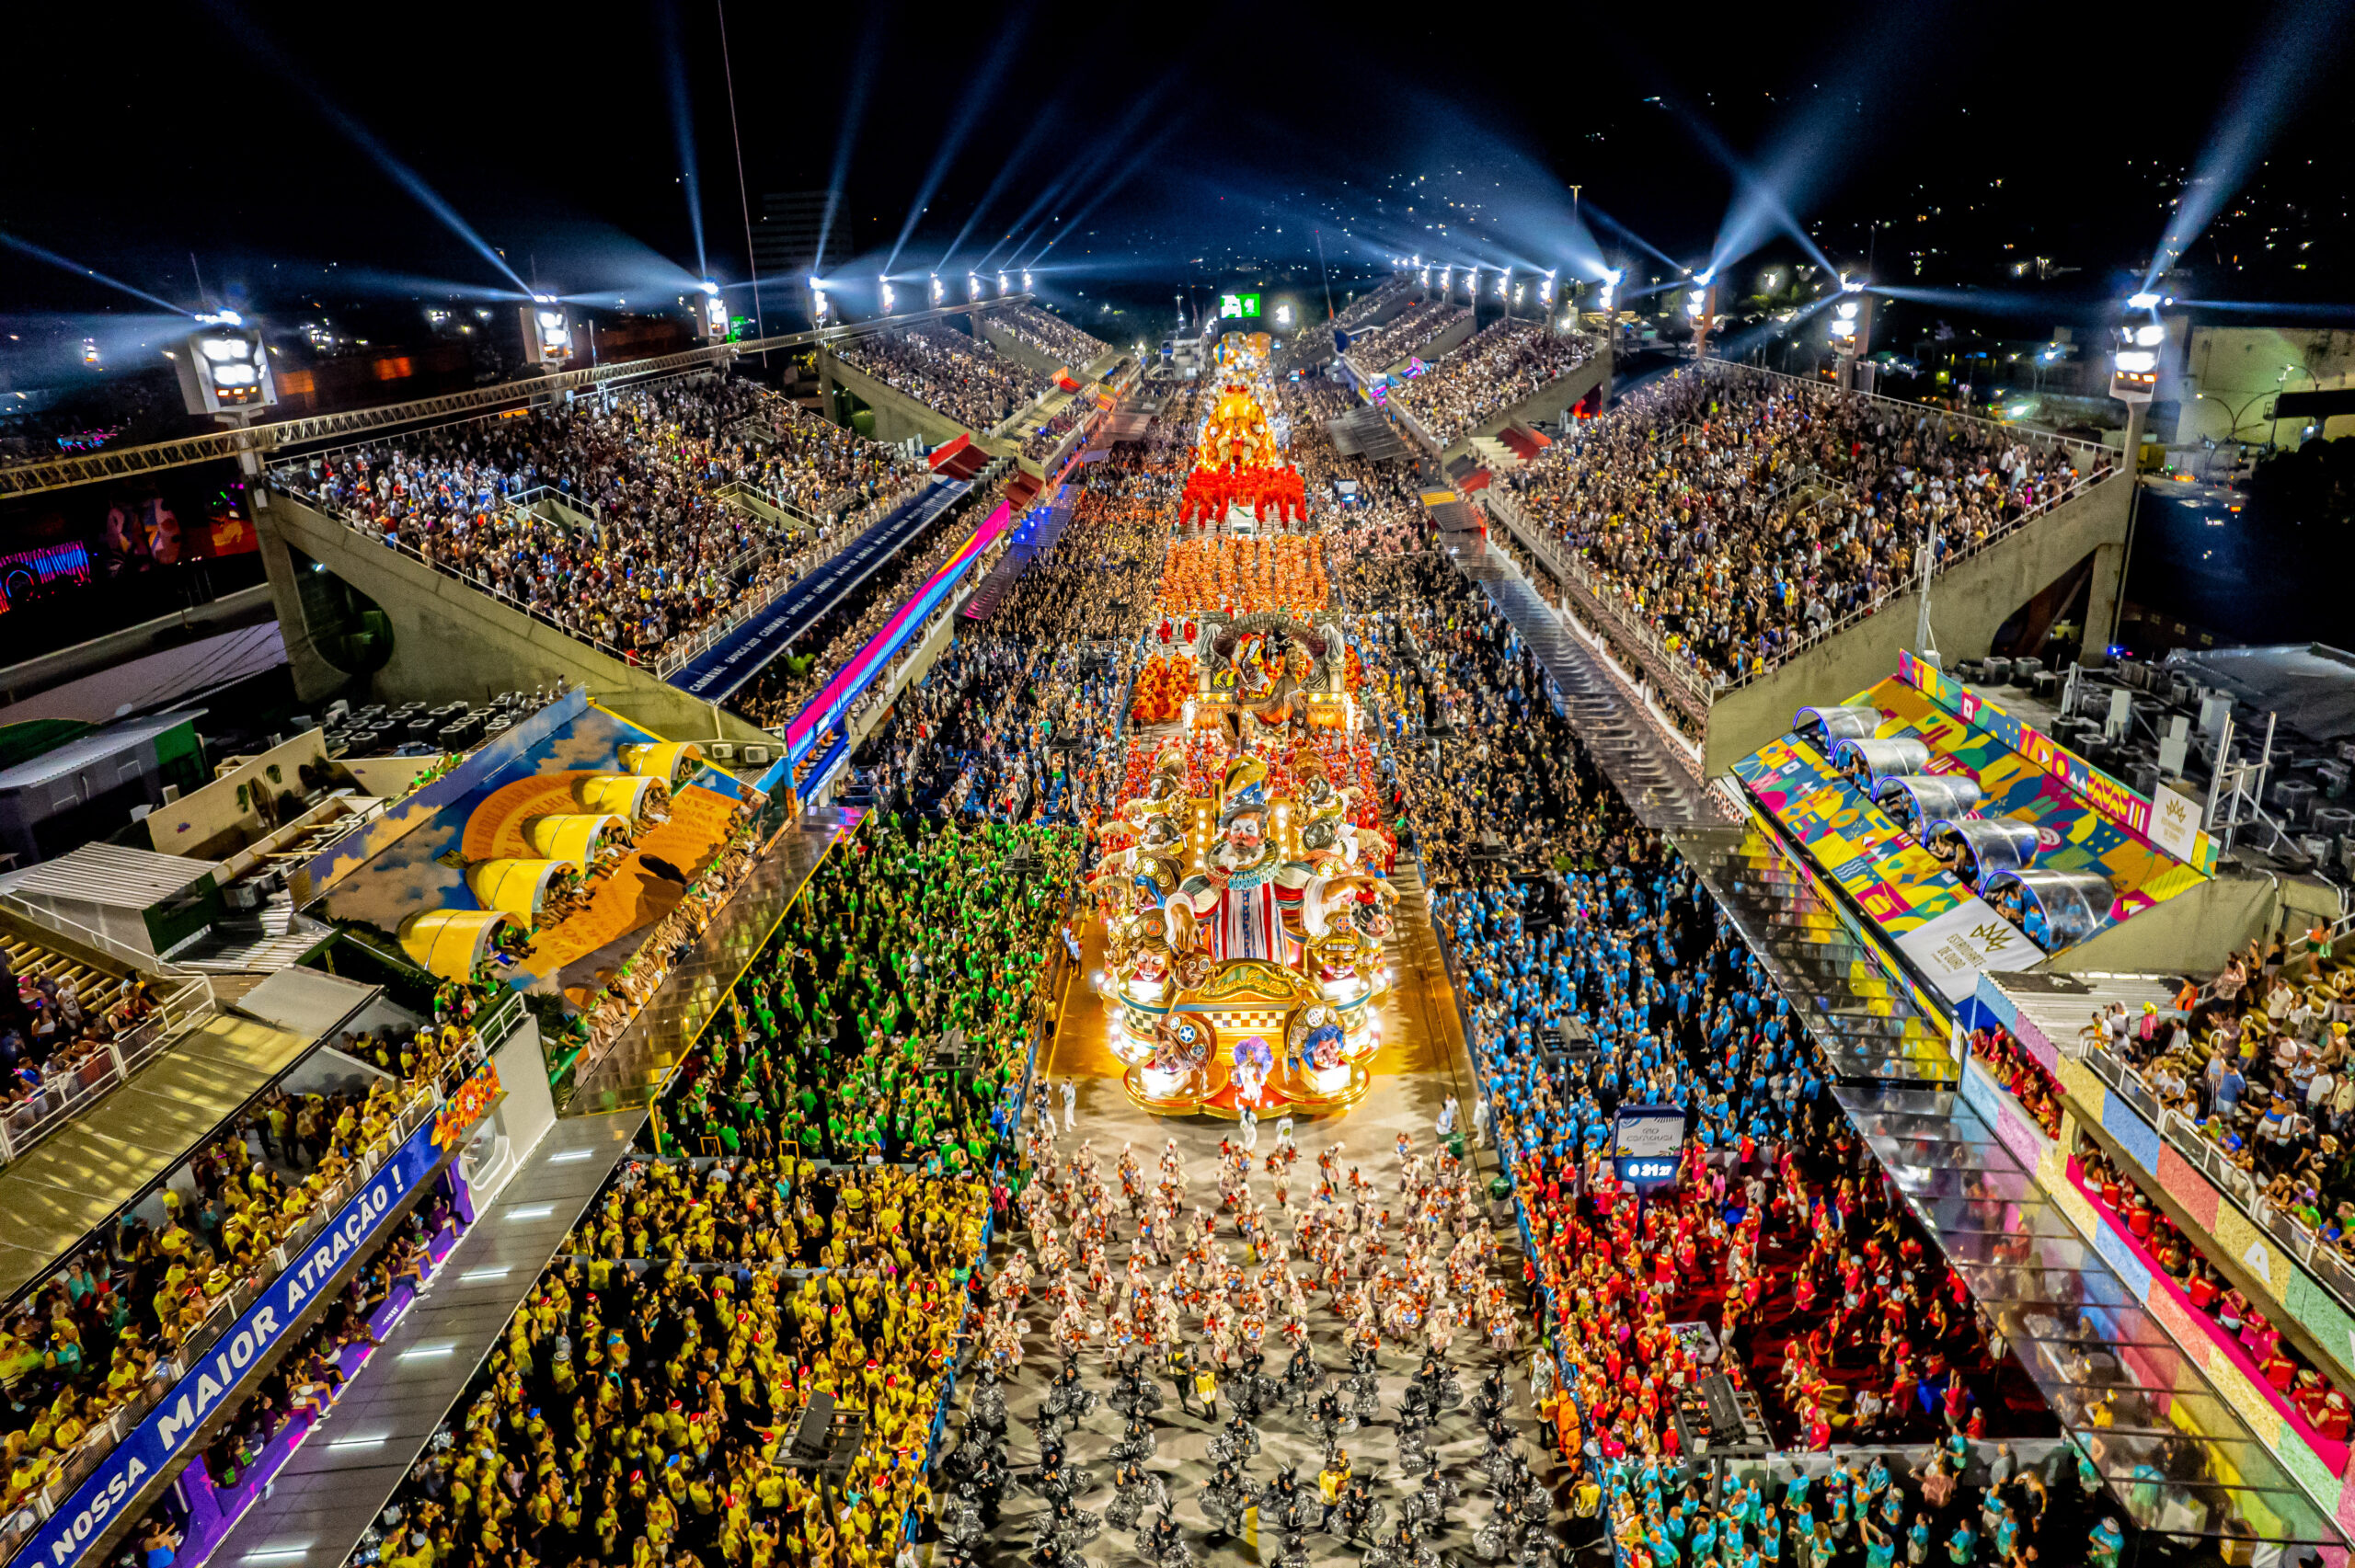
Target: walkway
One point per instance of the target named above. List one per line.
(2176, 1455)
(716, 673)
(1659, 787)
(334, 1485)
(631, 1072)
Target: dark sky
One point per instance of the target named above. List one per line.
(137, 135)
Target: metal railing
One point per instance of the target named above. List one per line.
(1610, 599)
(2241, 1187)
(1672, 676)
(426, 1099)
(62, 1098)
(679, 653)
(86, 468)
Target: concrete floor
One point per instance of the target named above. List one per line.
(1421, 1064)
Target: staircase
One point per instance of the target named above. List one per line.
(1661, 788)
(1868, 1028)
(1034, 535)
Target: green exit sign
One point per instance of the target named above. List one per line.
(1238, 304)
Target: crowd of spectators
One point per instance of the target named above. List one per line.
(1041, 443)
(944, 370)
(1050, 335)
(2258, 1062)
(1738, 514)
(917, 928)
(638, 1410)
(835, 477)
(301, 1389)
(93, 1336)
(649, 554)
(1020, 719)
(2124, 1198)
(1409, 333)
(1493, 370)
(1376, 300)
(56, 1030)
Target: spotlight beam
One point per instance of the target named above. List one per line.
(1102, 153)
(39, 253)
(1030, 139)
(1623, 232)
(399, 173)
(1127, 171)
(862, 77)
(682, 126)
(978, 93)
(2274, 74)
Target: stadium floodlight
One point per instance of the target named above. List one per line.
(1026, 280)
(2150, 336)
(711, 312)
(1546, 290)
(1005, 285)
(1708, 274)
(1504, 283)
(1851, 285)
(226, 370)
(888, 295)
(1695, 302)
(939, 289)
(821, 307)
(1425, 280)
(972, 286)
(2136, 361)
(2144, 300)
(1446, 279)
(547, 332)
(90, 353)
(1283, 315)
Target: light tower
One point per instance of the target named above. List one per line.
(224, 373)
(1701, 305)
(547, 333)
(711, 314)
(2133, 381)
(1852, 335)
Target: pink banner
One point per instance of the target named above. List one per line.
(883, 644)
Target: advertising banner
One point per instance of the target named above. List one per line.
(206, 1386)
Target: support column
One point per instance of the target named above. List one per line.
(2103, 596)
(316, 678)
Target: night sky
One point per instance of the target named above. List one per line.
(1939, 142)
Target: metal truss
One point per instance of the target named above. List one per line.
(261, 441)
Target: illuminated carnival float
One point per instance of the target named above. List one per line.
(1243, 898)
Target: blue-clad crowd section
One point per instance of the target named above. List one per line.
(716, 673)
(1036, 535)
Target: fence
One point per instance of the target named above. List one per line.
(61, 1099)
(2242, 1188)
(426, 1099)
(186, 1000)
(1619, 619)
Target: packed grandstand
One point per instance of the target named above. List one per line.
(901, 1169)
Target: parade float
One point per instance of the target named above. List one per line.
(1243, 893)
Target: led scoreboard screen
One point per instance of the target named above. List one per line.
(1645, 1142)
(1238, 305)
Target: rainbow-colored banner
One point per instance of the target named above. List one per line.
(826, 709)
